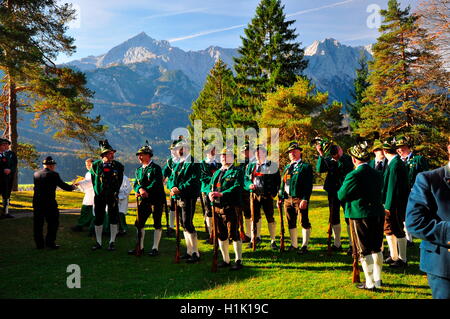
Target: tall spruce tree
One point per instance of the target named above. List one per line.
(269, 57)
(401, 97)
(32, 34)
(213, 106)
(360, 85)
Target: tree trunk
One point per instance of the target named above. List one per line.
(12, 122)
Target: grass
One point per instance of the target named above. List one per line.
(29, 273)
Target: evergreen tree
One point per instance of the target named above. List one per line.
(213, 106)
(269, 57)
(360, 85)
(32, 34)
(301, 113)
(402, 97)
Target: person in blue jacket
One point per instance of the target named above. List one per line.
(428, 218)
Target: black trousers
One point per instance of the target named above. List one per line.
(245, 208)
(45, 213)
(264, 202)
(334, 204)
(6, 184)
(100, 203)
(186, 209)
(292, 209)
(369, 234)
(227, 223)
(147, 208)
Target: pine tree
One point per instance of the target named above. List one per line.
(213, 106)
(403, 97)
(301, 113)
(269, 57)
(32, 34)
(360, 85)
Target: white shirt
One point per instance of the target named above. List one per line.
(88, 189)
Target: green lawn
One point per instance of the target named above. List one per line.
(29, 273)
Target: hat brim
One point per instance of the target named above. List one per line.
(107, 151)
(292, 149)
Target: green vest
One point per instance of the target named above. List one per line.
(300, 181)
(230, 186)
(150, 178)
(361, 192)
(99, 177)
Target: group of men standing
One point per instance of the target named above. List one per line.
(373, 193)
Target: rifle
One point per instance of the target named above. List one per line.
(355, 275)
(215, 239)
(240, 218)
(280, 209)
(204, 215)
(166, 208)
(254, 230)
(177, 231)
(137, 249)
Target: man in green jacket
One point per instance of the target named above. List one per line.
(185, 189)
(361, 192)
(208, 167)
(395, 198)
(244, 208)
(107, 176)
(295, 190)
(167, 172)
(225, 195)
(380, 161)
(337, 165)
(415, 164)
(262, 180)
(148, 186)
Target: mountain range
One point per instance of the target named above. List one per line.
(144, 89)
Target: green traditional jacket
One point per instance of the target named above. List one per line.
(230, 186)
(167, 171)
(395, 186)
(207, 170)
(300, 182)
(99, 173)
(361, 192)
(414, 165)
(336, 171)
(186, 177)
(270, 182)
(150, 179)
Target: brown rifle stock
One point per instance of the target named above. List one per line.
(240, 216)
(280, 209)
(355, 274)
(177, 231)
(215, 240)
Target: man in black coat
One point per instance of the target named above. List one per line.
(45, 206)
(8, 168)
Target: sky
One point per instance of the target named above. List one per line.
(197, 24)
